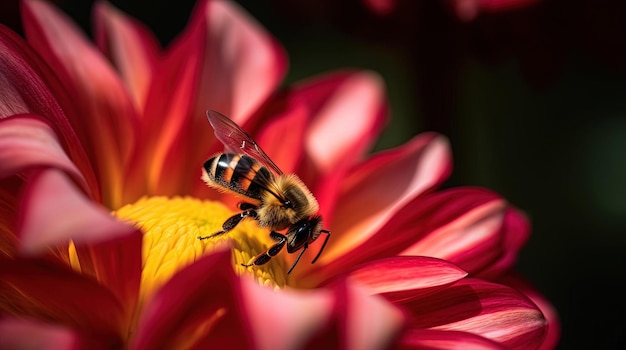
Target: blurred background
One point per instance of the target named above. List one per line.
(531, 94)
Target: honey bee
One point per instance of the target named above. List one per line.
(275, 200)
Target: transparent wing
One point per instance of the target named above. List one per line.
(235, 140)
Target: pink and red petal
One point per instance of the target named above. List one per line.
(348, 111)
(130, 46)
(47, 291)
(28, 86)
(54, 212)
(548, 310)
(105, 118)
(224, 61)
(445, 340)
(490, 310)
(199, 307)
(18, 333)
(398, 278)
(381, 186)
(27, 142)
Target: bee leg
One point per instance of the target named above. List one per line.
(231, 222)
(246, 206)
(266, 256)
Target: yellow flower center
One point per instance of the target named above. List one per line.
(171, 228)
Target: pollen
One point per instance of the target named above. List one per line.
(171, 228)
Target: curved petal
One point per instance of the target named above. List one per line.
(487, 309)
(381, 186)
(407, 276)
(22, 334)
(367, 321)
(54, 212)
(460, 225)
(349, 110)
(105, 118)
(444, 340)
(472, 238)
(130, 46)
(27, 142)
(554, 324)
(299, 315)
(27, 85)
(41, 289)
(198, 308)
(514, 233)
(223, 61)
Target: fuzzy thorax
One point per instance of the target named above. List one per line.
(275, 213)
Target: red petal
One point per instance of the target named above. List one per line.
(130, 46)
(224, 61)
(41, 289)
(105, 118)
(199, 307)
(551, 314)
(514, 234)
(27, 142)
(24, 82)
(54, 211)
(375, 190)
(445, 340)
(490, 310)
(299, 315)
(470, 233)
(22, 334)
(401, 277)
(366, 321)
(349, 110)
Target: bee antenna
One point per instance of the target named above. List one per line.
(323, 246)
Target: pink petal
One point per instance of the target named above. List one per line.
(472, 239)
(454, 212)
(224, 61)
(27, 85)
(284, 134)
(368, 322)
(554, 324)
(515, 232)
(199, 307)
(300, 315)
(374, 191)
(490, 310)
(349, 110)
(105, 117)
(22, 334)
(445, 340)
(410, 276)
(55, 211)
(130, 46)
(27, 142)
(41, 289)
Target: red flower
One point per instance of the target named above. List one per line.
(121, 127)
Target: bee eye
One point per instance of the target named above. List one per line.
(287, 204)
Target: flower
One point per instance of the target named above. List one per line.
(86, 132)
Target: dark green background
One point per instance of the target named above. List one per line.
(534, 104)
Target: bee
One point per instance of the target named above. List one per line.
(277, 201)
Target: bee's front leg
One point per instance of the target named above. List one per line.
(231, 222)
(266, 256)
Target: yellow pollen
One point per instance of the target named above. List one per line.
(171, 228)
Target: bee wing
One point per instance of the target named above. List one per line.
(237, 141)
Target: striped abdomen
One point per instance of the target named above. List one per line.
(238, 173)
